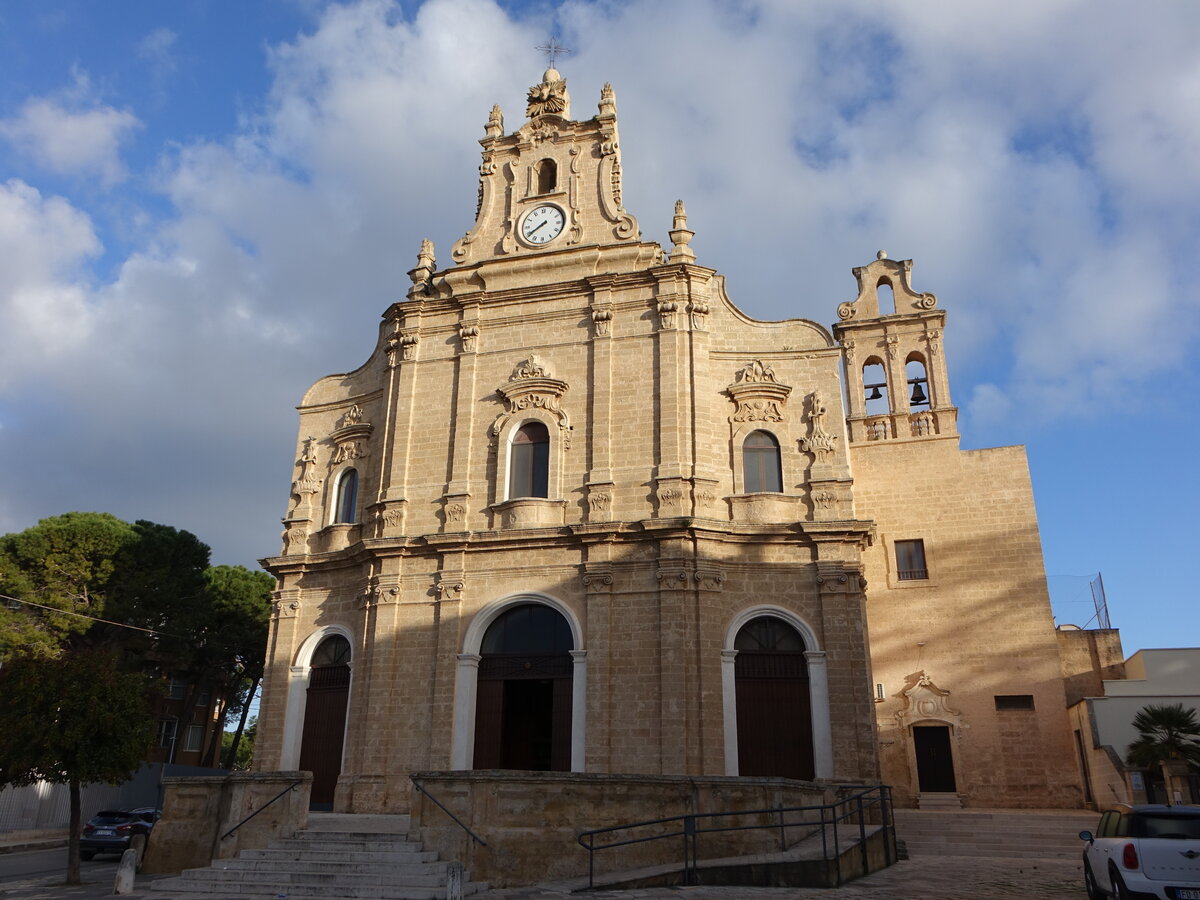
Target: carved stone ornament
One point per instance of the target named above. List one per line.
(350, 437)
(469, 335)
(284, 607)
(608, 100)
(819, 442)
(824, 499)
(600, 501)
(423, 271)
(681, 236)
(533, 386)
(924, 700)
(667, 311)
(598, 580)
(895, 274)
(602, 318)
(495, 122)
(699, 310)
(758, 394)
(449, 586)
(308, 483)
(550, 97)
(295, 539)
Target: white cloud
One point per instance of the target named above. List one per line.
(72, 134)
(44, 295)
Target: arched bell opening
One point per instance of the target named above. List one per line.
(325, 718)
(523, 703)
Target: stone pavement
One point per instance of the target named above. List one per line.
(925, 878)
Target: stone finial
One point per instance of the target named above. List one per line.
(681, 236)
(608, 100)
(495, 122)
(423, 272)
(550, 97)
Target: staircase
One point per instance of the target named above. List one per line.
(345, 856)
(1025, 834)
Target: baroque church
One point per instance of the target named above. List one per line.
(580, 513)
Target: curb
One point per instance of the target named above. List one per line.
(46, 844)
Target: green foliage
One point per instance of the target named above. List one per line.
(1165, 732)
(75, 718)
(239, 614)
(245, 749)
(67, 563)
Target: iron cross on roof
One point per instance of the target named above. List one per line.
(552, 48)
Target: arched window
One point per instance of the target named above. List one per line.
(347, 497)
(914, 372)
(547, 176)
(529, 462)
(875, 387)
(760, 463)
(774, 719)
(524, 697)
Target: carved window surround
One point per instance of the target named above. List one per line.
(767, 508)
(533, 387)
(529, 512)
(924, 701)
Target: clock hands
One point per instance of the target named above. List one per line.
(534, 231)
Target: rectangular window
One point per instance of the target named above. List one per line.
(177, 689)
(166, 732)
(1014, 701)
(193, 738)
(203, 698)
(910, 560)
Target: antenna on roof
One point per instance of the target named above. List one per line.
(552, 48)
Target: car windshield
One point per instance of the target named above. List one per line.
(1171, 827)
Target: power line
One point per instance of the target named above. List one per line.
(68, 612)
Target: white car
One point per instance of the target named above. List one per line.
(1146, 851)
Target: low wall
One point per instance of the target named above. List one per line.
(197, 811)
(530, 820)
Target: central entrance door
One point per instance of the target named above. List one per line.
(523, 696)
(774, 716)
(935, 761)
(325, 718)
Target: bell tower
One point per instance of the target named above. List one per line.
(552, 184)
(895, 369)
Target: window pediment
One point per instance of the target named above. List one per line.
(758, 393)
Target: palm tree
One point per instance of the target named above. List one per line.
(1166, 734)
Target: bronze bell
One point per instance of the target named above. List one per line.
(918, 395)
(874, 395)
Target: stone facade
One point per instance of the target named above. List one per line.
(653, 534)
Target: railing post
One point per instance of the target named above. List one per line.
(689, 835)
(862, 835)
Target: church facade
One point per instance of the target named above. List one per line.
(580, 513)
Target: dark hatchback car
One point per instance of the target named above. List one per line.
(111, 830)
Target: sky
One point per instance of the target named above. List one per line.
(205, 205)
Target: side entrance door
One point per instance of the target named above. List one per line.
(935, 762)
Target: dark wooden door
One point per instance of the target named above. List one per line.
(935, 762)
(774, 718)
(523, 712)
(324, 731)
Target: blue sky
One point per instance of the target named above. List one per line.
(204, 207)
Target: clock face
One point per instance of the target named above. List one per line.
(543, 224)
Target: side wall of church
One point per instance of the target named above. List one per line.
(979, 626)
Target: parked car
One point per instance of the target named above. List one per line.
(1144, 851)
(111, 830)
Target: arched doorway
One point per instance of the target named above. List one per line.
(774, 710)
(325, 718)
(523, 694)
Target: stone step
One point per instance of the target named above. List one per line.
(383, 868)
(359, 823)
(309, 876)
(166, 889)
(1032, 834)
(304, 844)
(402, 855)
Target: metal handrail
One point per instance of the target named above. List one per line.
(290, 787)
(828, 817)
(476, 838)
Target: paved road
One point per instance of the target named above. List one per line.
(40, 873)
(924, 878)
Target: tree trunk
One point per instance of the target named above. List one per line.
(73, 835)
(214, 738)
(237, 735)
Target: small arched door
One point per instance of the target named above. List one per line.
(523, 695)
(774, 712)
(325, 718)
